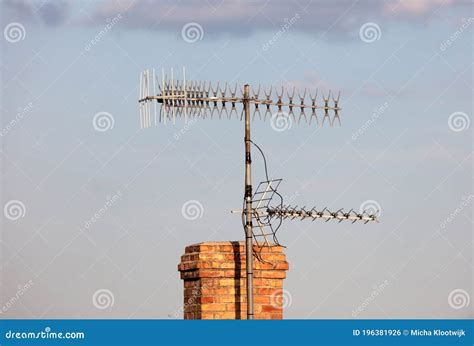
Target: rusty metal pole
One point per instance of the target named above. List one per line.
(248, 206)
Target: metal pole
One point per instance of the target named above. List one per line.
(248, 206)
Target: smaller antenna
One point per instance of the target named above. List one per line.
(269, 216)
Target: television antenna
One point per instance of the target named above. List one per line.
(186, 99)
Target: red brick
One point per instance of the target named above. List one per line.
(270, 308)
(207, 300)
(213, 307)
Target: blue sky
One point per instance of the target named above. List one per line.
(409, 158)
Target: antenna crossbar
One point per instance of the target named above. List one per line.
(183, 98)
(340, 215)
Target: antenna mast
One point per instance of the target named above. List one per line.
(248, 205)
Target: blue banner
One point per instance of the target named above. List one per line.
(285, 332)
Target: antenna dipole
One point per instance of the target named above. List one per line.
(261, 216)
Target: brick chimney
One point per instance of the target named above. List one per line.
(214, 281)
